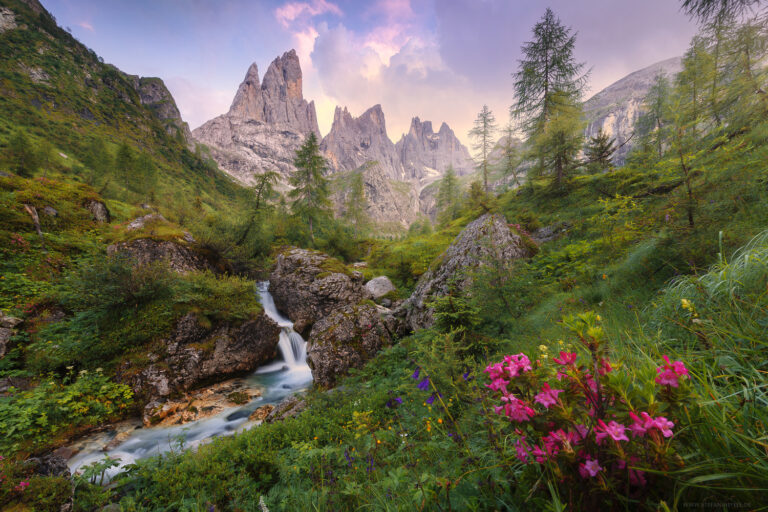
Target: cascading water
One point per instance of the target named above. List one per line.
(276, 381)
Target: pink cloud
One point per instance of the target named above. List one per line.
(395, 9)
(291, 11)
(87, 26)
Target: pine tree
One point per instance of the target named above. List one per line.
(448, 205)
(708, 9)
(145, 175)
(482, 133)
(310, 192)
(262, 191)
(548, 74)
(691, 82)
(124, 163)
(599, 151)
(21, 156)
(356, 207)
(746, 90)
(510, 160)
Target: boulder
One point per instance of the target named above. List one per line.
(485, 239)
(379, 287)
(347, 338)
(180, 258)
(197, 353)
(262, 413)
(7, 324)
(50, 211)
(288, 408)
(308, 285)
(99, 211)
(48, 465)
(141, 222)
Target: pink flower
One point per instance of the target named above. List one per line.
(547, 396)
(664, 425)
(582, 430)
(590, 468)
(670, 373)
(566, 358)
(498, 384)
(612, 429)
(605, 367)
(494, 371)
(539, 454)
(516, 409)
(639, 425)
(522, 450)
(517, 364)
(22, 486)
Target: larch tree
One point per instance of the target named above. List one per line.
(653, 121)
(311, 189)
(356, 205)
(448, 197)
(510, 158)
(482, 133)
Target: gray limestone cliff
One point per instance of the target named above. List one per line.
(266, 123)
(158, 99)
(617, 108)
(426, 154)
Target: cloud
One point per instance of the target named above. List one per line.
(292, 11)
(198, 103)
(87, 26)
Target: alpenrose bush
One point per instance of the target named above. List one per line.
(600, 433)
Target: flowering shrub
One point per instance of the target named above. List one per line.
(576, 419)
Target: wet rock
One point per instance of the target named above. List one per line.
(347, 338)
(484, 240)
(180, 258)
(379, 287)
(288, 408)
(48, 465)
(99, 211)
(261, 413)
(196, 353)
(308, 285)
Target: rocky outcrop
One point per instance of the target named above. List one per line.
(158, 99)
(266, 123)
(617, 108)
(308, 285)
(288, 408)
(196, 353)
(180, 258)
(485, 239)
(7, 20)
(7, 326)
(426, 154)
(99, 211)
(354, 141)
(347, 338)
(378, 287)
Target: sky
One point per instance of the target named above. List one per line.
(440, 60)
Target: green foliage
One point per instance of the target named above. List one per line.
(599, 151)
(20, 157)
(33, 419)
(448, 197)
(483, 132)
(310, 192)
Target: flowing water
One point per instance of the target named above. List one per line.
(276, 381)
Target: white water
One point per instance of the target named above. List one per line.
(276, 381)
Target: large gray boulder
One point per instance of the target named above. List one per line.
(99, 211)
(7, 326)
(347, 338)
(309, 285)
(484, 240)
(196, 353)
(180, 258)
(379, 287)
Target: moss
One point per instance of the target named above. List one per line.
(239, 397)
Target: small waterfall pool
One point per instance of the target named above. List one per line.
(276, 381)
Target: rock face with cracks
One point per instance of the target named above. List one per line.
(485, 239)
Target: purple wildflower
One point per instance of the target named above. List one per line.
(415, 374)
(424, 384)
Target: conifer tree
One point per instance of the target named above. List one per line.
(356, 207)
(510, 159)
(21, 156)
(560, 141)
(599, 151)
(652, 123)
(448, 206)
(310, 192)
(124, 163)
(708, 9)
(482, 133)
(548, 74)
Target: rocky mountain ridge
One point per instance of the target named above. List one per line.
(268, 121)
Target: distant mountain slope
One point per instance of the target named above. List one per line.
(616, 108)
(60, 92)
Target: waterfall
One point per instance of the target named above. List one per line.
(276, 381)
(291, 345)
